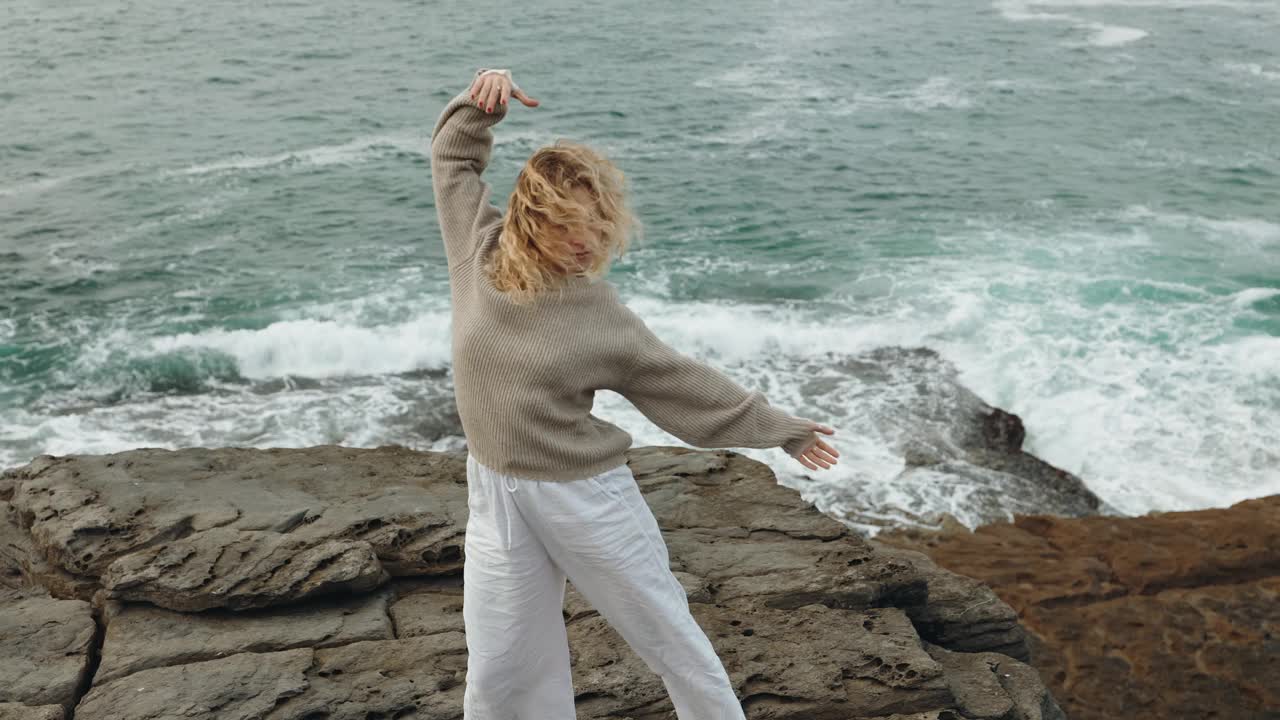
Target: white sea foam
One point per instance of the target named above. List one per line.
(1141, 385)
(1254, 69)
(1246, 5)
(1105, 35)
(772, 82)
(1246, 298)
(363, 415)
(1134, 392)
(936, 93)
(365, 398)
(323, 349)
(762, 76)
(8, 328)
(65, 255)
(1114, 35)
(1256, 232)
(1021, 11)
(1100, 34)
(353, 152)
(1178, 426)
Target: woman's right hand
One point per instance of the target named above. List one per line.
(493, 87)
(817, 453)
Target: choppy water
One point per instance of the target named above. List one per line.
(217, 224)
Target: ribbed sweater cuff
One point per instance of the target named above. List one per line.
(795, 433)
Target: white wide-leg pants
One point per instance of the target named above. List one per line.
(523, 538)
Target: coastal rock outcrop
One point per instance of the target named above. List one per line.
(936, 443)
(296, 583)
(1170, 615)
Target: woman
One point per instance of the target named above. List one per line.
(536, 332)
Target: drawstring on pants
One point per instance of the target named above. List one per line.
(512, 488)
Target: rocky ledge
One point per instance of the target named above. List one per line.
(325, 583)
(1171, 615)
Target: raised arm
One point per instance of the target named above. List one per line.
(705, 408)
(460, 146)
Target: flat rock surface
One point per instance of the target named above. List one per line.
(141, 635)
(1171, 615)
(413, 677)
(85, 512)
(44, 650)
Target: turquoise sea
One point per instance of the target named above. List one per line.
(216, 221)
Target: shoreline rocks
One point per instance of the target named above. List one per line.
(933, 443)
(287, 583)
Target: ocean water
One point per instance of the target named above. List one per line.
(216, 222)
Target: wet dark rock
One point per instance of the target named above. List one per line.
(949, 442)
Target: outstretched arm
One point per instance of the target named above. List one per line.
(705, 408)
(460, 146)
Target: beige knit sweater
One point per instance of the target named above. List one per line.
(525, 376)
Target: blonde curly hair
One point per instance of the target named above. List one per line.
(532, 255)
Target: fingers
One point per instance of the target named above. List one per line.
(505, 95)
(485, 91)
(817, 456)
(813, 456)
(528, 101)
(494, 93)
(478, 90)
(823, 455)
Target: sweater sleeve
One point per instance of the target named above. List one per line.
(700, 404)
(460, 146)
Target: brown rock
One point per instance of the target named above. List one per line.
(427, 606)
(85, 512)
(15, 549)
(1172, 615)
(960, 613)
(991, 685)
(241, 569)
(22, 566)
(812, 621)
(727, 520)
(415, 677)
(873, 666)
(141, 636)
(18, 711)
(239, 687)
(45, 646)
